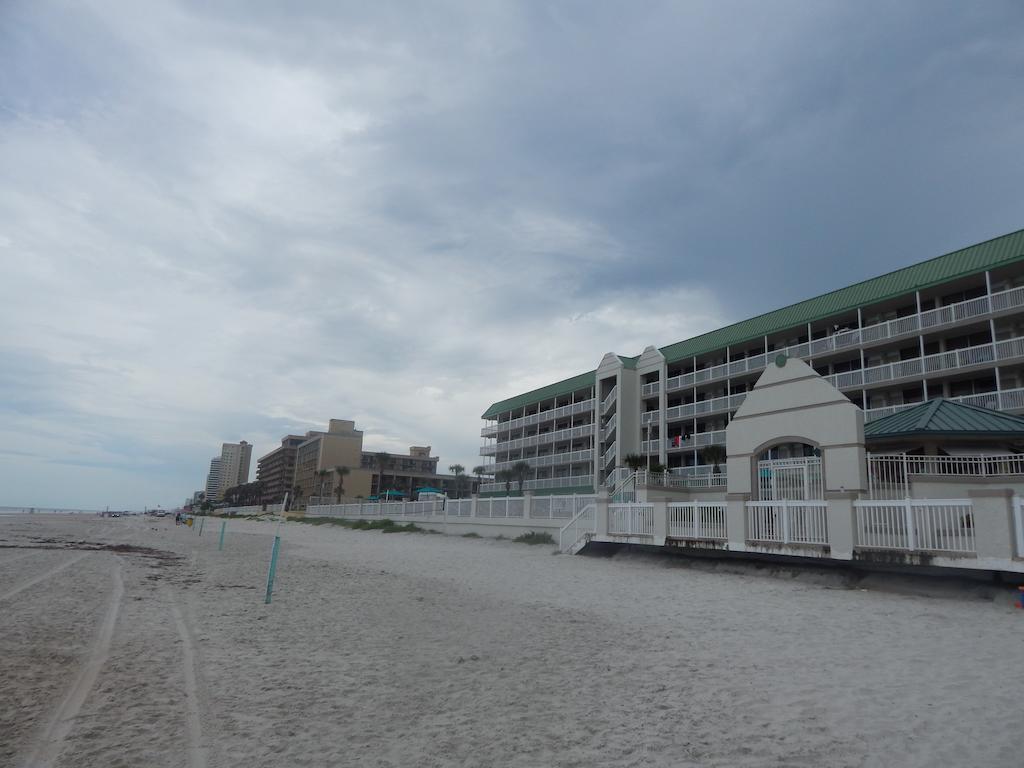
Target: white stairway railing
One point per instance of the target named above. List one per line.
(787, 522)
(697, 520)
(631, 519)
(929, 525)
(575, 534)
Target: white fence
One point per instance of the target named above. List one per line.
(929, 525)
(888, 474)
(539, 508)
(788, 522)
(697, 520)
(631, 519)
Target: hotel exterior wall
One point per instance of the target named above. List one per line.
(931, 319)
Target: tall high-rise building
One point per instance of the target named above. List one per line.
(213, 479)
(234, 465)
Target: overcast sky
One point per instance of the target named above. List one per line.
(235, 220)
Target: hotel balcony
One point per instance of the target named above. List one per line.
(566, 481)
(997, 303)
(538, 418)
(550, 460)
(543, 439)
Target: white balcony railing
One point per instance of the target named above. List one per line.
(650, 389)
(609, 455)
(969, 357)
(703, 407)
(538, 418)
(890, 329)
(650, 446)
(1007, 400)
(609, 399)
(566, 481)
(650, 417)
(570, 433)
(550, 460)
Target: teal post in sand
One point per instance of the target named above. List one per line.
(273, 568)
(223, 525)
(201, 521)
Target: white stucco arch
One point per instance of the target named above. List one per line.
(792, 403)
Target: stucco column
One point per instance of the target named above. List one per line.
(660, 504)
(601, 513)
(736, 520)
(527, 505)
(840, 518)
(993, 522)
(472, 507)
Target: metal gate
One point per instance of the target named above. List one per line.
(790, 479)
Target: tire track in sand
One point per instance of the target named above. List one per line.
(42, 577)
(50, 743)
(197, 751)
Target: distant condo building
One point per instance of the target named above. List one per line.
(951, 327)
(213, 479)
(276, 471)
(234, 465)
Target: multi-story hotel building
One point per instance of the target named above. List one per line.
(406, 473)
(276, 470)
(949, 327)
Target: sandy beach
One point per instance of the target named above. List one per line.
(130, 642)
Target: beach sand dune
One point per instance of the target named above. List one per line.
(135, 643)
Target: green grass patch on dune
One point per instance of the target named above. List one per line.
(385, 525)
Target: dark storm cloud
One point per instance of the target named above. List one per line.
(237, 220)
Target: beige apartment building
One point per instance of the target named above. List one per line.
(340, 446)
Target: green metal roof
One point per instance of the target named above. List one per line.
(967, 261)
(945, 418)
(563, 387)
(941, 269)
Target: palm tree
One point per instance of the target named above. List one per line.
(505, 476)
(383, 460)
(713, 454)
(519, 471)
(458, 470)
(659, 469)
(296, 495)
(479, 470)
(322, 474)
(339, 489)
(635, 461)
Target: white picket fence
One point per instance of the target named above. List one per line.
(631, 519)
(501, 507)
(697, 520)
(787, 522)
(928, 525)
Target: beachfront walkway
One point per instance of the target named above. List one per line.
(418, 650)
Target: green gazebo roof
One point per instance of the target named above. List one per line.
(945, 418)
